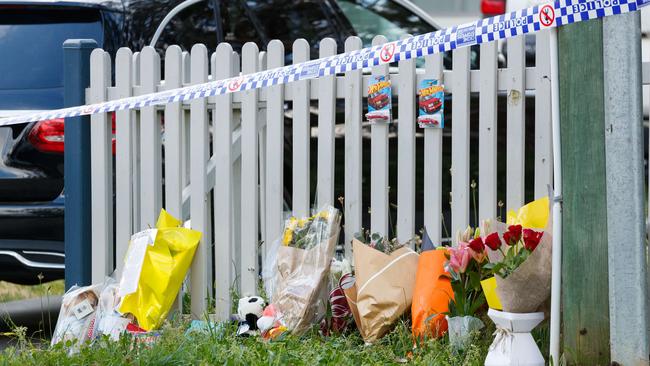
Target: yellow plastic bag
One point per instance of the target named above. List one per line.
(154, 268)
(533, 215)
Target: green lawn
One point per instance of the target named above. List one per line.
(174, 348)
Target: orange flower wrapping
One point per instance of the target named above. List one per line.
(431, 296)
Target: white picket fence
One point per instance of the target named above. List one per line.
(229, 149)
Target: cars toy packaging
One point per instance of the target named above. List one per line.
(431, 104)
(379, 100)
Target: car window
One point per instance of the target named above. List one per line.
(195, 24)
(288, 20)
(32, 56)
(237, 25)
(371, 17)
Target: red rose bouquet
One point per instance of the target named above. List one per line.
(520, 257)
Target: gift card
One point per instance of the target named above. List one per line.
(82, 309)
(379, 100)
(431, 104)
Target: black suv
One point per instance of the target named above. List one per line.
(31, 38)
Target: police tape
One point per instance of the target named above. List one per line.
(524, 21)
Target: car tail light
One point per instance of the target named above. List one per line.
(47, 135)
(493, 7)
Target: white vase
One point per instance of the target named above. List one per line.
(460, 329)
(513, 344)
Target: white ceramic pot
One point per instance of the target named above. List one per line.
(513, 344)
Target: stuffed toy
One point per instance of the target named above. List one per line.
(249, 310)
(269, 324)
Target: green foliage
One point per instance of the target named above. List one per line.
(224, 348)
(381, 243)
(468, 294)
(513, 257)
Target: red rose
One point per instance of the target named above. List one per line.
(477, 245)
(532, 238)
(513, 235)
(493, 241)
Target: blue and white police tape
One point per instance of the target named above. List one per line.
(530, 20)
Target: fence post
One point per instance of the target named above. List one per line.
(584, 222)
(76, 78)
(628, 308)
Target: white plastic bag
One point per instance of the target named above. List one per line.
(460, 330)
(108, 321)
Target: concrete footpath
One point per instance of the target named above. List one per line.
(38, 315)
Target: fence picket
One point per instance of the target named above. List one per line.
(249, 177)
(460, 141)
(186, 123)
(150, 143)
(433, 163)
(261, 138)
(301, 134)
(101, 170)
(543, 134)
(379, 156)
(236, 246)
(135, 150)
(487, 143)
(516, 123)
(222, 122)
(174, 144)
(353, 198)
(406, 150)
(275, 147)
(124, 125)
(199, 150)
(326, 123)
(173, 134)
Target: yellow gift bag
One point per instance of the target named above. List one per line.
(154, 268)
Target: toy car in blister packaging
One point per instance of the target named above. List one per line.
(379, 100)
(431, 104)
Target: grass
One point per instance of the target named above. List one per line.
(12, 292)
(224, 348)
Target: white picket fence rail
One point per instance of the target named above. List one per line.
(229, 150)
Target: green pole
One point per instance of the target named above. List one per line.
(585, 311)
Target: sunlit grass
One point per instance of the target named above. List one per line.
(11, 292)
(224, 348)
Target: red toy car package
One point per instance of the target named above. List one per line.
(431, 104)
(379, 100)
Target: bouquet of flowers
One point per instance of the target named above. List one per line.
(465, 269)
(305, 233)
(382, 288)
(520, 257)
(297, 267)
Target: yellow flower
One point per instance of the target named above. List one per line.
(288, 232)
(288, 235)
(323, 214)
